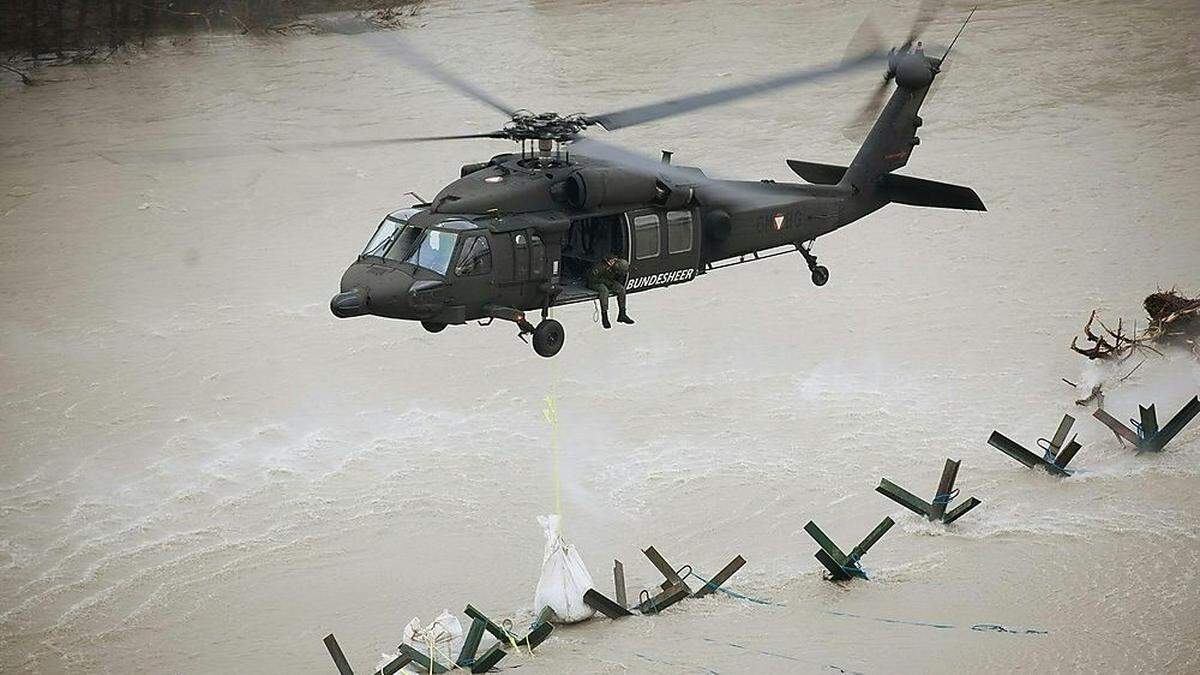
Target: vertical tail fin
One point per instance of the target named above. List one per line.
(892, 138)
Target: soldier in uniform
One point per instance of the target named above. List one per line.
(609, 275)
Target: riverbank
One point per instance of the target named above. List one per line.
(60, 32)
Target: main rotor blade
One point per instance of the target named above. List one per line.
(619, 119)
(679, 175)
(369, 142)
(252, 147)
(615, 154)
(861, 124)
(390, 44)
(926, 13)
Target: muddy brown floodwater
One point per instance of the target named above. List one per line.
(203, 471)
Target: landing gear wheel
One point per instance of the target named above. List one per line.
(820, 275)
(548, 338)
(433, 326)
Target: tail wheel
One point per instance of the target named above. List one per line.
(820, 275)
(548, 338)
(433, 326)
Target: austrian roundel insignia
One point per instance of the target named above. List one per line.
(779, 221)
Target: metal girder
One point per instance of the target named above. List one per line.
(936, 509)
(668, 597)
(825, 543)
(601, 603)
(1181, 419)
(1117, 427)
(842, 567)
(904, 498)
(664, 568)
(466, 656)
(721, 577)
(489, 658)
(619, 583)
(1149, 437)
(428, 664)
(945, 490)
(960, 510)
(1016, 451)
(339, 659)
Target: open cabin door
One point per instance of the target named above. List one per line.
(664, 247)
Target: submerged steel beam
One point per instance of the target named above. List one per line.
(945, 490)
(869, 541)
(668, 597)
(339, 659)
(1117, 427)
(426, 663)
(825, 543)
(1149, 437)
(466, 655)
(936, 509)
(601, 603)
(672, 577)
(721, 577)
(1181, 419)
(904, 498)
(1016, 451)
(842, 567)
(619, 583)
(489, 658)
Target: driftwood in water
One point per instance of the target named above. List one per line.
(1173, 319)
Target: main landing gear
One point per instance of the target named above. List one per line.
(820, 273)
(548, 336)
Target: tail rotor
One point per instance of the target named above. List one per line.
(907, 65)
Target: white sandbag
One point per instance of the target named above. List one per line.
(564, 577)
(444, 635)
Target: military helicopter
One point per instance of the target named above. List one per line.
(517, 233)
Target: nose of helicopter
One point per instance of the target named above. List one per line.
(371, 289)
(349, 303)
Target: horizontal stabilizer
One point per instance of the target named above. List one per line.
(921, 192)
(816, 173)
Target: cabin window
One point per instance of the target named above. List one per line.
(520, 257)
(679, 231)
(646, 242)
(537, 257)
(476, 258)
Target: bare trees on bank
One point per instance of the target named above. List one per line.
(44, 28)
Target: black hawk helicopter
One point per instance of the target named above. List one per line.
(518, 233)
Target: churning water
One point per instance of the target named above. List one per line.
(204, 471)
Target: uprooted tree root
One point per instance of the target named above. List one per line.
(1173, 320)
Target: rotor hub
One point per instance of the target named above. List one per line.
(546, 126)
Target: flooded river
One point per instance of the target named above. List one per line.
(203, 471)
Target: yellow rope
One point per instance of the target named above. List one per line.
(507, 625)
(550, 413)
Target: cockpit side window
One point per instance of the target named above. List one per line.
(476, 258)
(383, 238)
(387, 233)
(434, 250)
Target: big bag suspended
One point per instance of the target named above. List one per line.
(564, 577)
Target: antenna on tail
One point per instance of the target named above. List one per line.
(960, 30)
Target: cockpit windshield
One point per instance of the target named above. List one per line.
(387, 232)
(398, 241)
(431, 249)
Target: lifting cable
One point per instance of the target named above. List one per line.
(550, 413)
